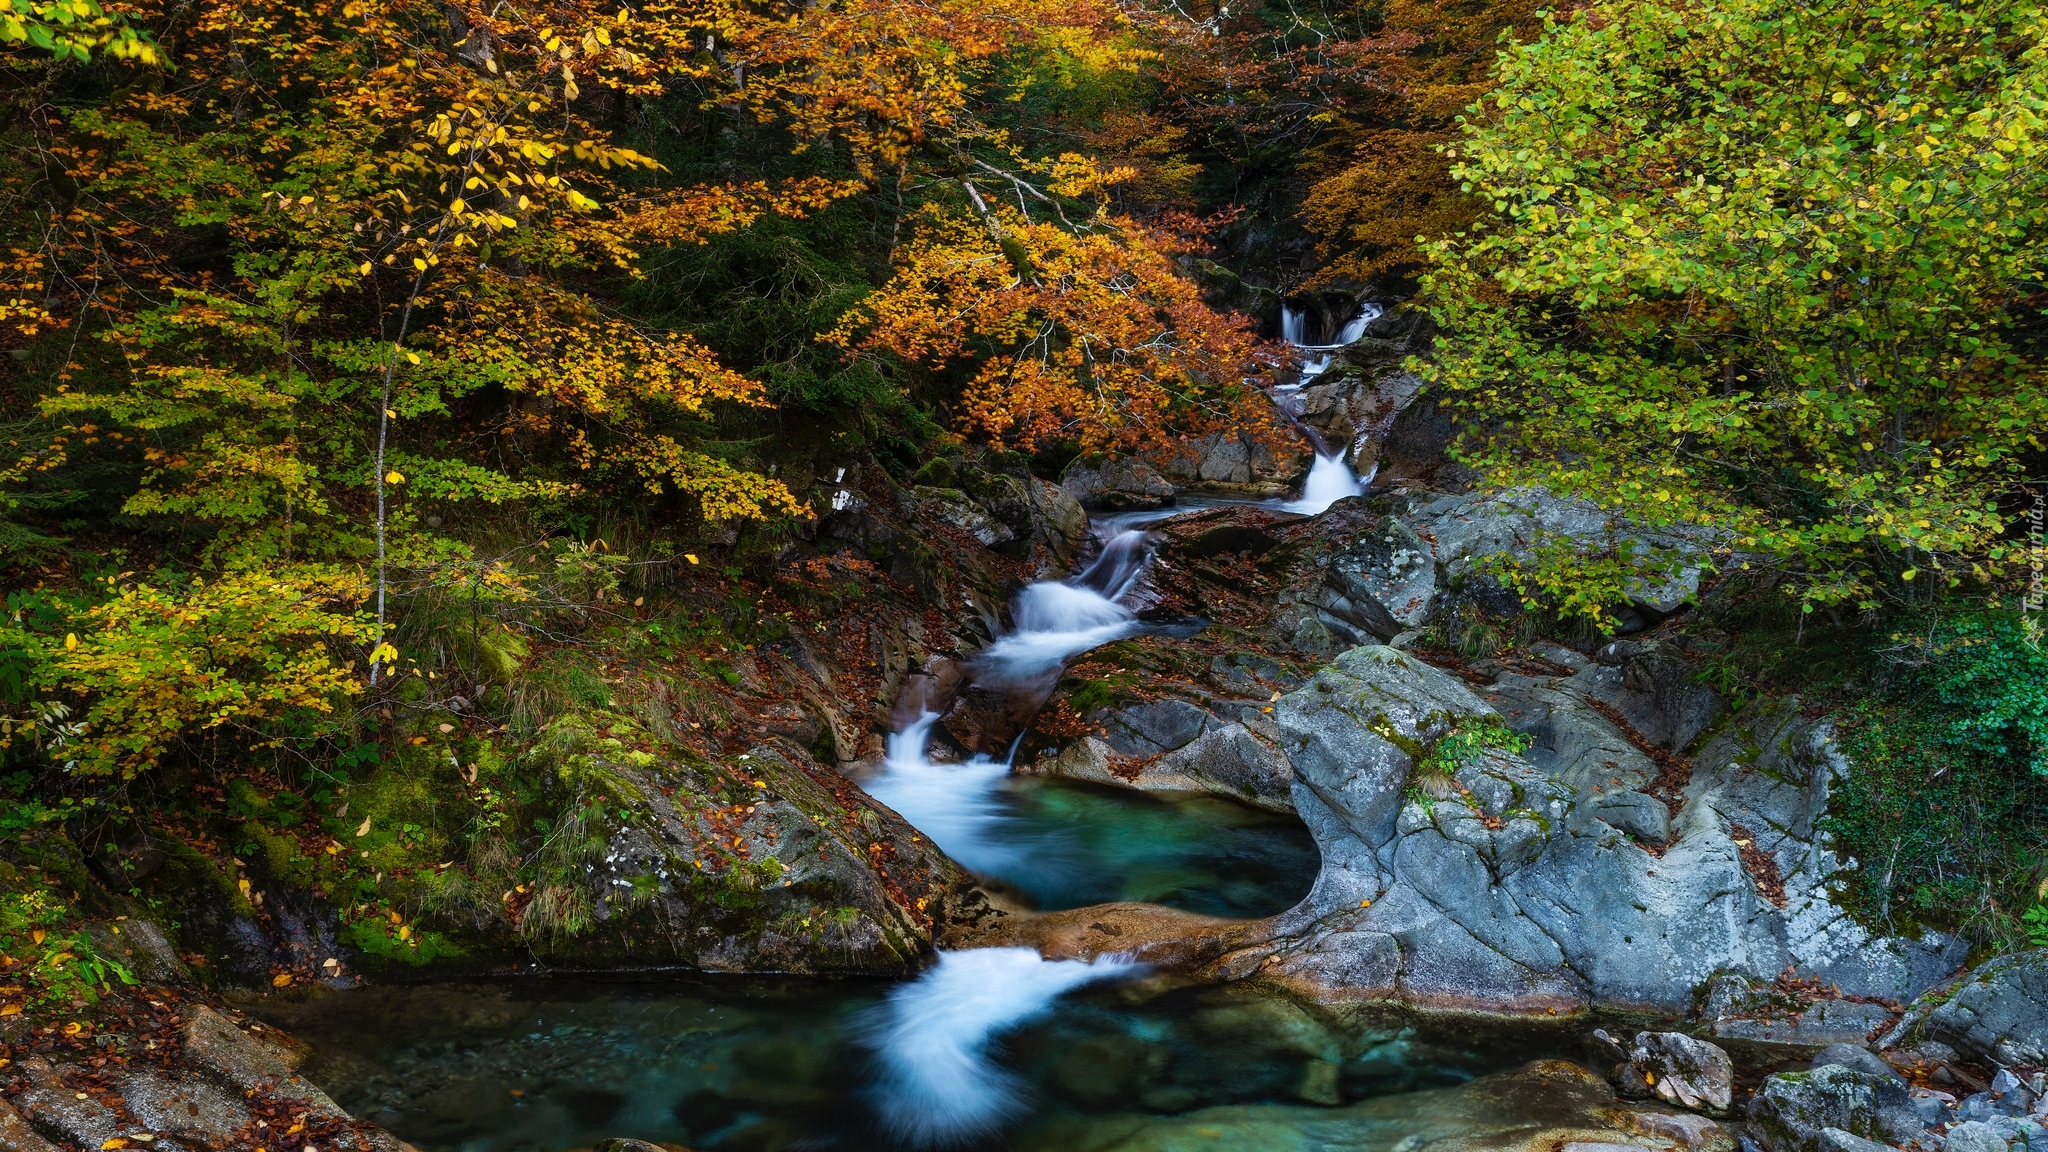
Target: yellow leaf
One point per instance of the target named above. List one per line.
(413, 357)
(394, 477)
(114, 1142)
(10, 1009)
(405, 932)
(71, 641)
(280, 980)
(1909, 573)
(73, 1028)
(36, 936)
(365, 269)
(364, 828)
(419, 264)
(690, 556)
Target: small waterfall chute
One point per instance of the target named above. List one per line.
(932, 1038)
(1330, 478)
(957, 805)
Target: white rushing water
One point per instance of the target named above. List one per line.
(1056, 620)
(933, 1038)
(1330, 478)
(954, 804)
(958, 805)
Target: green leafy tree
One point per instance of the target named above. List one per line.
(254, 655)
(1766, 266)
(73, 30)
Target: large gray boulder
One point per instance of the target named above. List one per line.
(1579, 874)
(1473, 530)
(1792, 1110)
(1235, 462)
(2000, 1012)
(1116, 485)
(1400, 571)
(1381, 583)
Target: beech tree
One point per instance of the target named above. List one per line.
(1769, 268)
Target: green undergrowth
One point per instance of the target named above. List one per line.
(435, 835)
(1945, 806)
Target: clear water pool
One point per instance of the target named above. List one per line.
(759, 1063)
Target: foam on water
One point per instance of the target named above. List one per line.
(955, 804)
(933, 1037)
(1330, 479)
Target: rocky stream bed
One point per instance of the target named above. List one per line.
(1155, 855)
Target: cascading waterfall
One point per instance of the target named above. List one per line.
(957, 804)
(1059, 619)
(939, 1084)
(932, 1039)
(1330, 479)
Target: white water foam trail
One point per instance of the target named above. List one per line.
(1330, 478)
(955, 804)
(1057, 620)
(933, 1036)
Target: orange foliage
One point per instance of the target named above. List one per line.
(1395, 185)
(887, 76)
(1090, 335)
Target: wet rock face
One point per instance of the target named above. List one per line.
(2000, 1013)
(1582, 873)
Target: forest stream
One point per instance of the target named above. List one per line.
(994, 1046)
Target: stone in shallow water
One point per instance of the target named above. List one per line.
(1680, 1070)
(1975, 1136)
(1319, 1083)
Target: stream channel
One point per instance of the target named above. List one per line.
(990, 1048)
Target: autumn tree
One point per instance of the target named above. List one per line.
(1768, 269)
(1088, 336)
(1388, 183)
